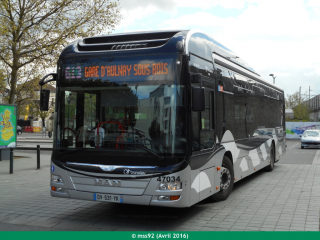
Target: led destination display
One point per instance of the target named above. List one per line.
(125, 70)
(108, 70)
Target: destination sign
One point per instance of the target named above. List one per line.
(110, 70)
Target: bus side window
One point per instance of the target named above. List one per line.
(195, 131)
(207, 132)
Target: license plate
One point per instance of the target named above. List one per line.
(107, 198)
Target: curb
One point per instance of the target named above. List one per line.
(32, 148)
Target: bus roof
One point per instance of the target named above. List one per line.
(183, 41)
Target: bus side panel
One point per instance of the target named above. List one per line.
(195, 187)
(280, 143)
(247, 161)
(206, 178)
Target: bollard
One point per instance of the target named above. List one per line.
(38, 156)
(11, 160)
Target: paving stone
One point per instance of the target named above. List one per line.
(286, 199)
(207, 229)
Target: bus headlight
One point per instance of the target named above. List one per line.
(56, 178)
(170, 186)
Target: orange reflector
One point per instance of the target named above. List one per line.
(235, 178)
(217, 187)
(53, 188)
(254, 168)
(172, 198)
(218, 168)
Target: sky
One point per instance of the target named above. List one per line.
(281, 37)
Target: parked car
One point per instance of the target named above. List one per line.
(19, 130)
(310, 138)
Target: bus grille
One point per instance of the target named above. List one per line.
(114, 186)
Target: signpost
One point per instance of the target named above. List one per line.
(8, 130)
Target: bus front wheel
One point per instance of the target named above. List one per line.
(226, 181)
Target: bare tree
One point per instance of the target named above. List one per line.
(33, 32)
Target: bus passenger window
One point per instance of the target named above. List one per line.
(195, 131)
(207, 132)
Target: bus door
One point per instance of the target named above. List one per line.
(80, 117)
(203, 143)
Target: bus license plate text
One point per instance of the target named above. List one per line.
(108, 198)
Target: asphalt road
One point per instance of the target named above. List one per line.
(296, 155)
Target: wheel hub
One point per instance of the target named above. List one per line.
(225, 178)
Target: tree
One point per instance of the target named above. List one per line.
(33, 32)
(299, 104)
(26, 93)
(3, 84)
(42, 114)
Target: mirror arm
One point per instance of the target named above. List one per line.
(54, 78)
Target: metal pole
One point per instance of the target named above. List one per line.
(300, 95)
(11, 160)
(309, 97)
(38, 156)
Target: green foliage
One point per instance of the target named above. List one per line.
(33, 32)
(298, 103)
(3, 77)
(42, 114)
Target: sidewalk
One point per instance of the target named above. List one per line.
(286, 199)
(32, 136)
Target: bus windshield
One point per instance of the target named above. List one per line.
(126, 118)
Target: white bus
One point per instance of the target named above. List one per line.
(164, 118)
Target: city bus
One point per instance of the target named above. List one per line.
(162, 118)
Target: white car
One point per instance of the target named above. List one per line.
(310, 138)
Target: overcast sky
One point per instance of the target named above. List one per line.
(273, 36)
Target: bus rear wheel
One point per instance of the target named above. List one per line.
(226, 181)
(270, 167)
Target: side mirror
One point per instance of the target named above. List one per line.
(198, 101)
(195, 78)
(44, 99)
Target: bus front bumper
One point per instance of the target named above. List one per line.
(126, 199)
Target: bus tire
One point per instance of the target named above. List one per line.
(227, 181)
(270, 167)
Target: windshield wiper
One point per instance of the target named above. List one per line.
(139, 145)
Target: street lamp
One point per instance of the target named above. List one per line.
(274, 77)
